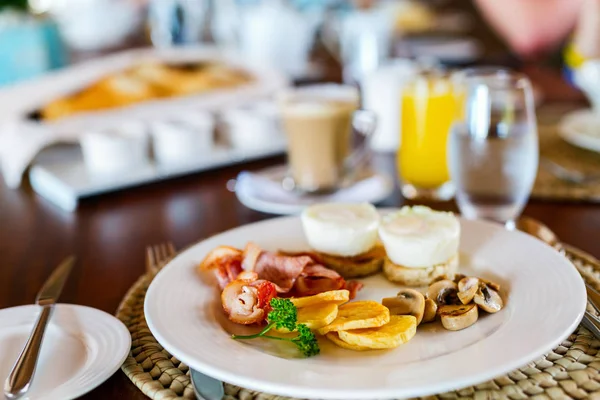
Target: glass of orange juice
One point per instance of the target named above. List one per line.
(429, 107)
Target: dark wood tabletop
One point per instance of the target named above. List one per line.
(108, 234)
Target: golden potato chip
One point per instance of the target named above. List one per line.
(316, 316)
(333, 336)
(399, 330)
(333, 296)
(358, 314)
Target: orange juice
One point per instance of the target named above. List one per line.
(428, 110)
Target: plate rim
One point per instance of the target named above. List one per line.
(573, 136)
(386, 393)
(283, 209)
(99, 378)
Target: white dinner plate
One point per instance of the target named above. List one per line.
(82, 348)
(544, 294)
(581, 128)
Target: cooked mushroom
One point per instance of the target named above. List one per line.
(458, 278)
(488, 299)
(455, 318)
(491, 285)
(443, 292)
(406, 302)
(430, 310)
(467, 287)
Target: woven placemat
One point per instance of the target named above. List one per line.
(554, 148)
(570, 371)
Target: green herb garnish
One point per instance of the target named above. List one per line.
(284, 314)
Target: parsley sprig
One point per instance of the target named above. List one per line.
(284, 314)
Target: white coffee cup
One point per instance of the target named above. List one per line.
(253, 127)
(115, 148)
(183, 138)
(587, 78)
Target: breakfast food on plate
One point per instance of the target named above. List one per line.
(358, 314)
(457, 304)
(143, 82)
(399, 330)
(297, 295)
(338, 297)
(344, 237)
(249, 278)
(421, 245)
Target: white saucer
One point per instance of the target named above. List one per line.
(581, 128)
(263, 191)
(82, 348)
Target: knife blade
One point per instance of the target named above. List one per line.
(19, 380)
(53, 286)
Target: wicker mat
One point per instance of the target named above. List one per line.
(572, 370)
(553, 147)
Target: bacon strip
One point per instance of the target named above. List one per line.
(317, 279)
(247, 301)
(226, 262)
(280, 269)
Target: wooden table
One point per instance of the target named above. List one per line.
(109, 234)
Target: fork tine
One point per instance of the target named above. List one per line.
(157, 257)
(171, 250)
(163, 252)
(150, 260)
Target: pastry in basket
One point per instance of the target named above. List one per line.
(143, 82)
(421, 245)
(344, 237)
(113, 91)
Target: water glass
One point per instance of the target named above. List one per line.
(493, 146)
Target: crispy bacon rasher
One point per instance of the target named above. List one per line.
(226, 262)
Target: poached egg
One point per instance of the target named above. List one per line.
(341, 229)
(419, 237)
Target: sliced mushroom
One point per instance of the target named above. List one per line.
(430, 310)
(488, 299)
(458, 278)
(406, 302)
(467, 287)
(443, 292)
(491, 285)
(455, 318)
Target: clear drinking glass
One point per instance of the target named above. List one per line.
(493, 146)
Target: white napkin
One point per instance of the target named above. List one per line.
(20, 142)
(266, 189)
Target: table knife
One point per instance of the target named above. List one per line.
(20, 377)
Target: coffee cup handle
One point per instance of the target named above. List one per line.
(364, 122)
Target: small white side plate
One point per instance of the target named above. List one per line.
(263, 191)
(82, 348)
(581, 128)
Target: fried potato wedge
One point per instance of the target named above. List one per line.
(333, 296)
(399, 330)
(316, 316)
(333, 336)
(357, 315)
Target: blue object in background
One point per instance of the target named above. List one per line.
(29, 47)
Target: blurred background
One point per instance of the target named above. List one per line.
(297, 36)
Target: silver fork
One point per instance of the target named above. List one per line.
(205, 387)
